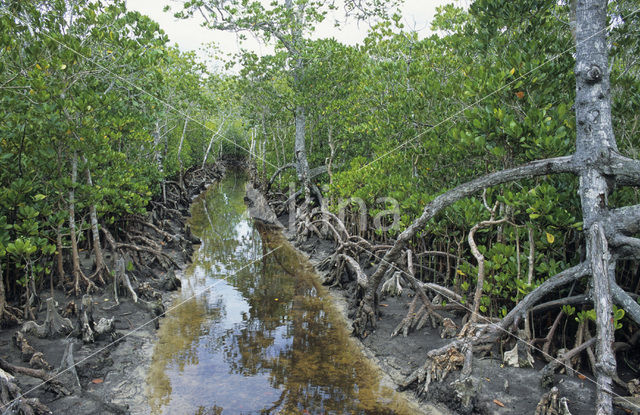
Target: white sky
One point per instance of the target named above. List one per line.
(189, 35)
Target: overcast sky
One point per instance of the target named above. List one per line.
(189, 35)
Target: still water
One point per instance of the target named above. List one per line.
(255, 334)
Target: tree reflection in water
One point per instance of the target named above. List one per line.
(264, 339)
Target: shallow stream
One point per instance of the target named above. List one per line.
(251, 333)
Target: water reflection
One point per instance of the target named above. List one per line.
(263, 339)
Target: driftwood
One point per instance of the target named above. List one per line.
(28, 353)
(52, 382)
(12, 402)
(38, 361)
(20, 341)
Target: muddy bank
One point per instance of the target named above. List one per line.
(96, 352)
(492, 388)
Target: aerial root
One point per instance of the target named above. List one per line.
(366, 317)
(79, 277)
(99, 273)
(392, 285)
(54, 324)
(410, 320)
(153, 248)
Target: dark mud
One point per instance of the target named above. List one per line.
(492, 387)
(109, 376)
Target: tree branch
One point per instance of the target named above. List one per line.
(550, 285)
(625, 301)
(533, 169)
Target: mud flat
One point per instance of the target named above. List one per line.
(97, 362)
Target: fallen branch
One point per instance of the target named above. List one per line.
(54, 384)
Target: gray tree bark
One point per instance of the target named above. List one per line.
(95, 233)
(75, 256)
(599, 165)
(595, 140)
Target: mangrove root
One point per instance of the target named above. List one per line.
(54, 324)
(67, 370)
(171, 282)
(519, 356)
(51, 382)
(436, 368)
(550, 404)
(122, 279)
(89, 329)
(392, 286)
(11, 400)
(20, 341)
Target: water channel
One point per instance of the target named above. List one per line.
(256, 334)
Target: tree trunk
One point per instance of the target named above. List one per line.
(475, 312)
(6, 317)
(302, 165)
(217, 133)
(594, 141)
(181, 173)
(75, 257)
(59, 258)
(93, 215)
(300, 150)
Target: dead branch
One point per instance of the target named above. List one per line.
(551, 285)
(54, 384)
(576, 299)
(278, 172)
(565, 358)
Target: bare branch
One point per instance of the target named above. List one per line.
(550, 285)
(533, 169)
(625, 301)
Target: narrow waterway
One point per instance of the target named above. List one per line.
(254, 334)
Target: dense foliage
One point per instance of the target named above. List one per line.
(99, 112)
(95, 104)
(407, 118)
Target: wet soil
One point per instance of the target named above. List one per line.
(112, 371)
(493, 388)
